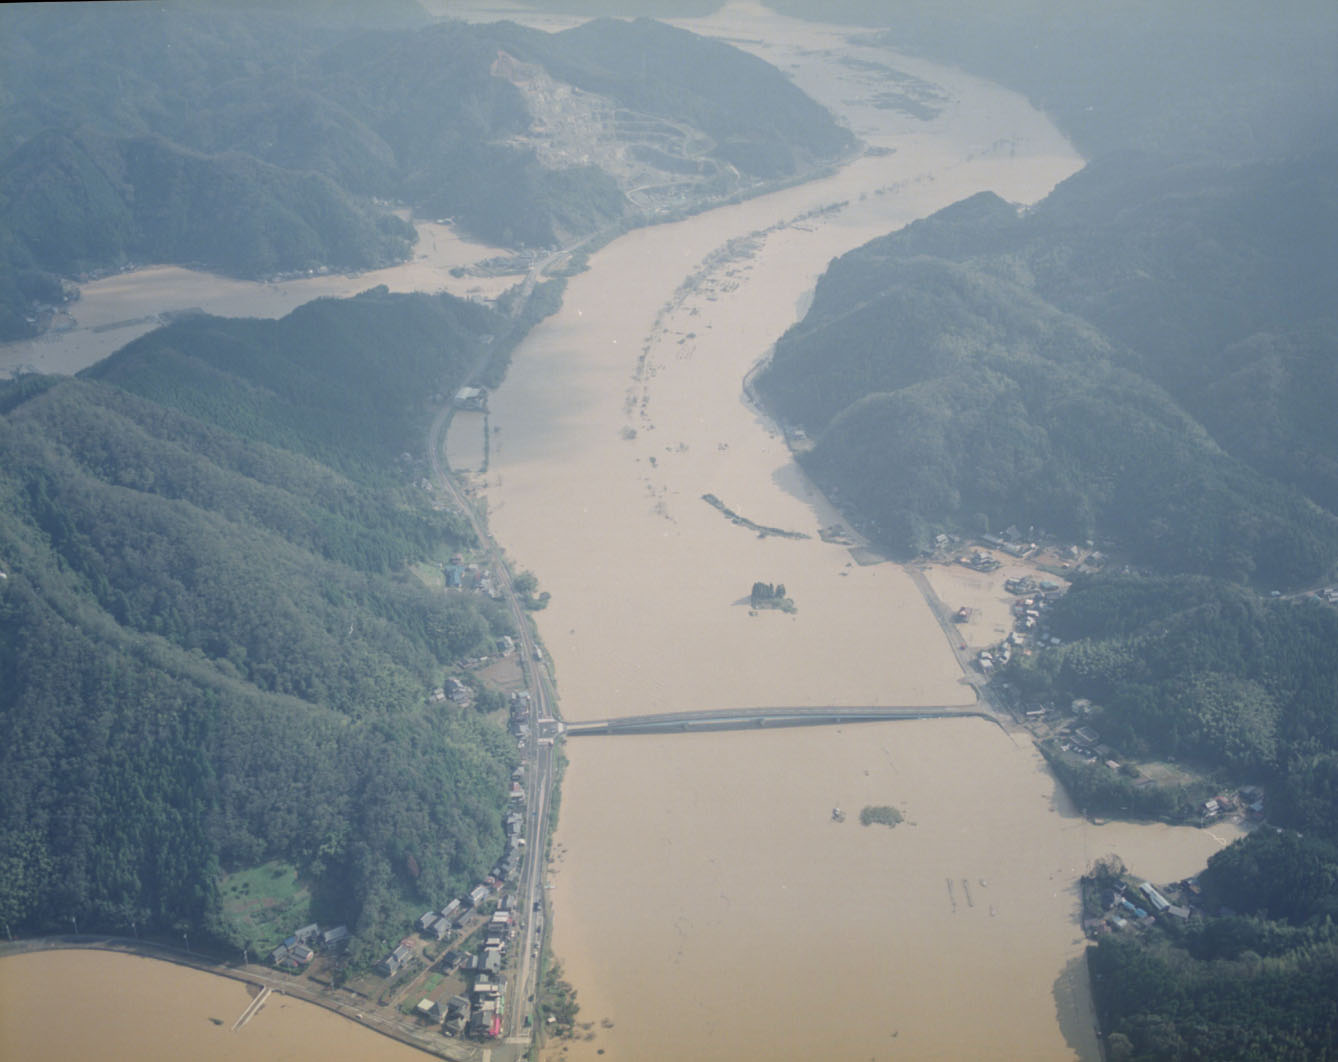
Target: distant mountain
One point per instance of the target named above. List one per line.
(758, 120)
(1236, 81)
(1147, 356)
(251, 140)
(77, 203)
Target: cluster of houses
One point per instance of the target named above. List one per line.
(1249, 801)
(1011, 542)
(298, 950)
(485, 1019)
(1124, 906)
(1032, 600)
(471, 398)
(479, 1012)
(458, 1016)
(520, 717)
(460, 576)
(980, 561)
(452, 690)
(514, 824)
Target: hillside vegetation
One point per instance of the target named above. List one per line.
(254, 141)
(1256, 978)
(212, 649)
(1200, 670)
(1145, 357)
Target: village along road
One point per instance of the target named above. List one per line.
(537, 752)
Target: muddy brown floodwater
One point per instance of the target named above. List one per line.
(79, 1004)
(115, 310)
(707, 905)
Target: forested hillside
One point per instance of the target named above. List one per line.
(253, 140)
(78, 202)
(213, 651)
(1257, 978)
(356, 385)
(1147, 356)
(1206, 672)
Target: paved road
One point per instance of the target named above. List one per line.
(537, 753)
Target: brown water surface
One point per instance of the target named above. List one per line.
(707, 905)
(81, 1004)
(117, 309)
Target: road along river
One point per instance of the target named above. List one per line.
(706, 904)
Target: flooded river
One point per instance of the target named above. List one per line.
(707, 905)
(72, 1005)
(117, 309)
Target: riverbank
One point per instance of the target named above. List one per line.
(707, 905)
(115, 310)
(690, 869)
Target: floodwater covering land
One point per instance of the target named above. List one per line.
(81, 1004)
(117, 309)
(707, 904)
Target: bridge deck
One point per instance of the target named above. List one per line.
(755, 718)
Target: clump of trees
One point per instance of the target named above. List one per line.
(558, 1000)
(770, 595)
(883, 814)
(525, 585)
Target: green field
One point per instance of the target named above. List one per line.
(264, 904)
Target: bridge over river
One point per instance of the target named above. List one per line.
(767, 718)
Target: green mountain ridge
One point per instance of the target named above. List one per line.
(80, 203)
(253, 141)
(1091, 366)
(212, 650)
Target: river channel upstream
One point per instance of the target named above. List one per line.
(706, 904)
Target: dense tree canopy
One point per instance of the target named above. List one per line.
(258, 140)
(1256, 977)
(212, 649)
(1200, 669)
(1146, 357)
